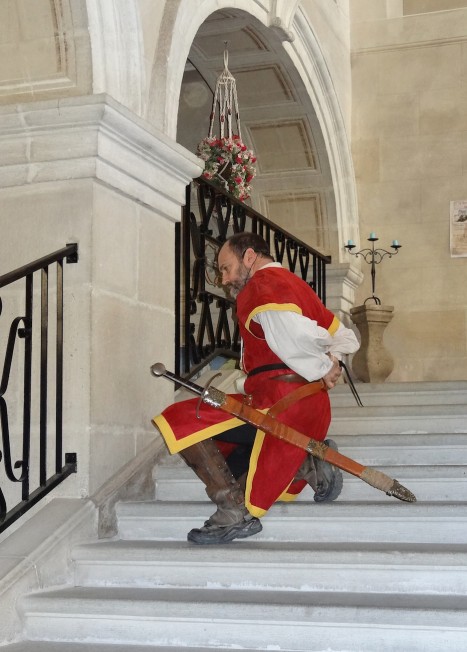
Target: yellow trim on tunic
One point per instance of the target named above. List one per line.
(177, 445)
(286, 497)
(291, 307)
(334, 326)
(253, 509)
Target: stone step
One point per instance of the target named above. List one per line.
(293, 620)
(397, 394)
(433, 449)
(394, 521)
(410, 454)
(428, 483)
(254, 565)
(61, 646)
(405, 419)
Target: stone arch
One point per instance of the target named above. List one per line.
(308, 58)
(181, 23)
(117, 59)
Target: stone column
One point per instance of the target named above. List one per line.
(88, 170)
(372, 363)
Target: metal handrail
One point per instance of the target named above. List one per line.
(205, 325)
(22, 327)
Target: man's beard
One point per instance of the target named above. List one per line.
(234, 288)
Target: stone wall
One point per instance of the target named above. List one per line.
(409, 140)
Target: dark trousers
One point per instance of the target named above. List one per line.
(239, 459)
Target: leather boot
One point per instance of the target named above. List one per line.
(231, 519)
(325, 479)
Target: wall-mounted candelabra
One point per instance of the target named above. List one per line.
(373, 257)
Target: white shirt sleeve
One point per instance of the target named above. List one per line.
(302, 344)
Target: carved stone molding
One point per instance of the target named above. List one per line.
(95, 137)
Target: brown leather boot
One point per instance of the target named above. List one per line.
(231, 519)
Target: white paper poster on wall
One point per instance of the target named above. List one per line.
(458, 231)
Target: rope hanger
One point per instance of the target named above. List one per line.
(226, 95)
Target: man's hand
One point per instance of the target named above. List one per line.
(331, 378)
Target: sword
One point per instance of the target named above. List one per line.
(265, 422)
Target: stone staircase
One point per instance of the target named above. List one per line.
(367, 573)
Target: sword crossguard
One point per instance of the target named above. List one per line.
(205, 393)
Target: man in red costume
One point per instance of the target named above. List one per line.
(291, 346)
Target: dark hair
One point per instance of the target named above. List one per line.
(240, 242)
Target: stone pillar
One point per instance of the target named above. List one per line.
(341, 284)
(372, 363)
(88, 170)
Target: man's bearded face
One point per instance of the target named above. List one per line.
(233, 271)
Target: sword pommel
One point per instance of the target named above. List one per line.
(158, 369)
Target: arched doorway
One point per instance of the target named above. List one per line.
(293, 186)
(290, 116)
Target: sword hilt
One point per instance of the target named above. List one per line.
(210, 395)
(158, 369)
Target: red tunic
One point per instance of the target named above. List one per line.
(273, 463)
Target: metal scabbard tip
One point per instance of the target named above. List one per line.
(401, 492)
(158, 369)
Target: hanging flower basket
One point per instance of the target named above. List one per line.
(229, 163)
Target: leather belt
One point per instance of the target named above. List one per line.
(289, 378)
(296, 395)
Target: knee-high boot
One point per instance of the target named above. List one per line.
(231, 519)
(325, 479)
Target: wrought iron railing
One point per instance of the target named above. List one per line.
(205, 324)
(24, 423)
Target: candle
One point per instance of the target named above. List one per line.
(350, 243)
(395, 243)
(372, 236)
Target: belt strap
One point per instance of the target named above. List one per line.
(301, 392)
(267, 367)
(289, 378)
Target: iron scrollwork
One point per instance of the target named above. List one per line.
(205, 315)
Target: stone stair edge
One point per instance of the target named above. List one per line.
(176, 510)
(159, 603)
(68, 646)
(263, 554)
(174, 475)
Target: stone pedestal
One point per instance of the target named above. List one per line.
(372, 363)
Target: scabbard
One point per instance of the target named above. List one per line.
(269, 424)
(276, 428)
(318, 449)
